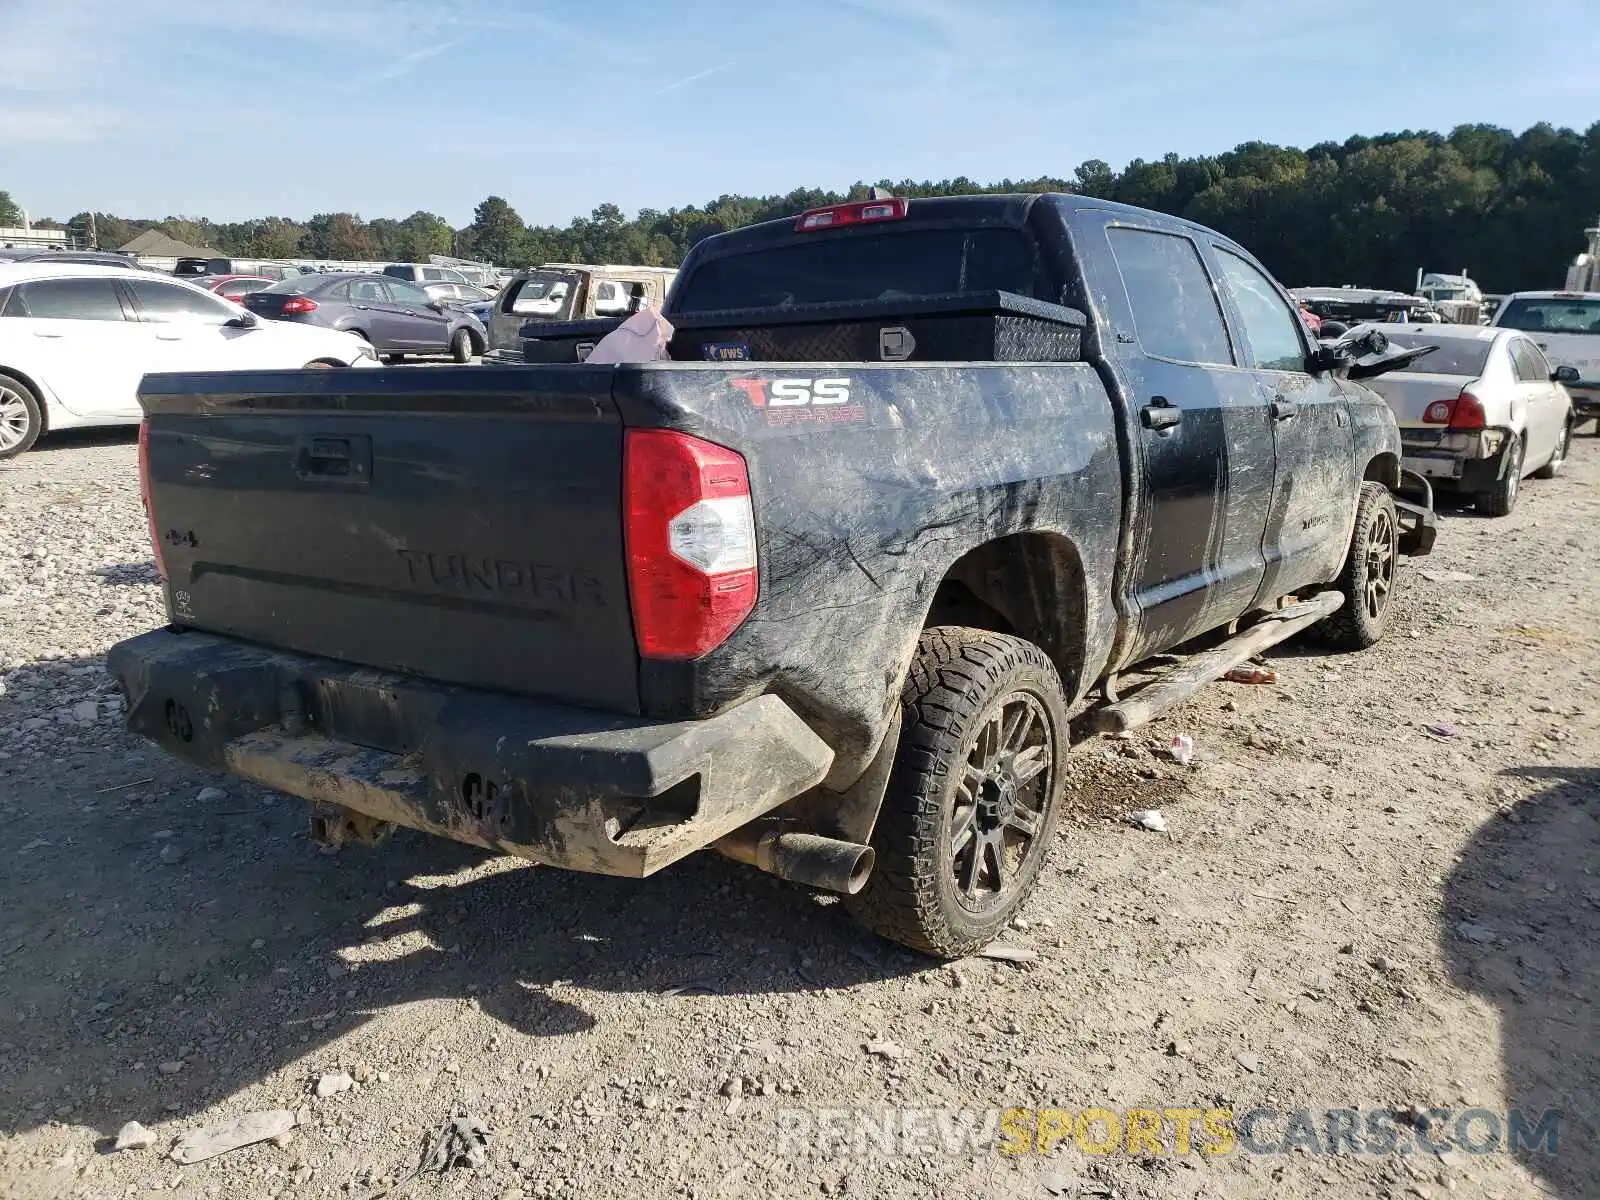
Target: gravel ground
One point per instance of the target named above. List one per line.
(1349, 910)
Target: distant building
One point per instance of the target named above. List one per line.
(155, 249)
(47, 239)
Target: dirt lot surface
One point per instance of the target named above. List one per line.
(1349, 910)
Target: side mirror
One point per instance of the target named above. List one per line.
(245, 320)
(1565, 374)
(438, 306)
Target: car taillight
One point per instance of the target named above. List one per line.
(861, 212)
(691, 542)
(299, 304)
(1439, 412)
(1468, 412)
(144, 494)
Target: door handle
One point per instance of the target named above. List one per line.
(39, 333)
(1160, 414)
(364, 307)
(169, 337)
(1284, 410)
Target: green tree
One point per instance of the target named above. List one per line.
(10, 214)
(276, 237)
(497, 233)
(422, 234)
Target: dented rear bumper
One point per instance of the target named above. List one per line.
(554, 784)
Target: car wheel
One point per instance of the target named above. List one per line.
(1499, 500)
(21, 417)
(1559, 459)
(973, 797)
(1367, 580)
(461, 345)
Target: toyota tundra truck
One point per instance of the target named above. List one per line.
(820, 591)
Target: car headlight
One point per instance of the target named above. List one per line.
(365, 349)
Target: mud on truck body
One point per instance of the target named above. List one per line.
(820, 593)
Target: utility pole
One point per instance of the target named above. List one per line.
(94, 234)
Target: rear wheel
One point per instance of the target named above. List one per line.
(1499, 500)
(21, 417)
(461, 346)
(973, 799)
(1559, 459)
(1368, 577)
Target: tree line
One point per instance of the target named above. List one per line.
(1509, 206)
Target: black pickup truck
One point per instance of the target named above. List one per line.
(820, 593)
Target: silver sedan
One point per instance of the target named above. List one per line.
(1480, 412)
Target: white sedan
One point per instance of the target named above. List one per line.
(1480, 412)
(76, 340)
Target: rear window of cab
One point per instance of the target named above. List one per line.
(889, 265)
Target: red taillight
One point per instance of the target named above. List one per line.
(144, 494)
(299, 304)
(691, 542)
(1439, 412)
(862, 212)
(1468, 412)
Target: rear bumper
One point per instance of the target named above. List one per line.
(1470, 461)
(562, 786)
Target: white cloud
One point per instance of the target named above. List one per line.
(56, 123)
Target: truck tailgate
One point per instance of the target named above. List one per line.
(460, 524)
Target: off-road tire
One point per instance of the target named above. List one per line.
(1499, 500)
(461, 346)
(18, 405)
(960, 681)
(1361, 620)
(1553, 468)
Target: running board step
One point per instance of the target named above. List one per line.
(1188, 677)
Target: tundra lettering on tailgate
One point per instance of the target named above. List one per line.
(515, 580)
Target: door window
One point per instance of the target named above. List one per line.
(407, 293)
(1174, 309)
(1528, 363)
(432, 274)
(1272, 327)
(69, 300)
(165, 303)
(367, 291)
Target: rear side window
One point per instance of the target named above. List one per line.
(878, 266)
(71, 300)
(5, 298)
(1529, 364)
(1174, 309)
(1272, 327)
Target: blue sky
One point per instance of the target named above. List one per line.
(239, 108)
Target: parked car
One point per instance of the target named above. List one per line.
(396, 317)
(188, 267)
(562, 293)
(1005, 448)
(77, 258)
(1480, 412)
(234, 287)
(422, 273)
(1566, 326)
(76, 340)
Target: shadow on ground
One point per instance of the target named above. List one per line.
(144, 925)
(1521, 914)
